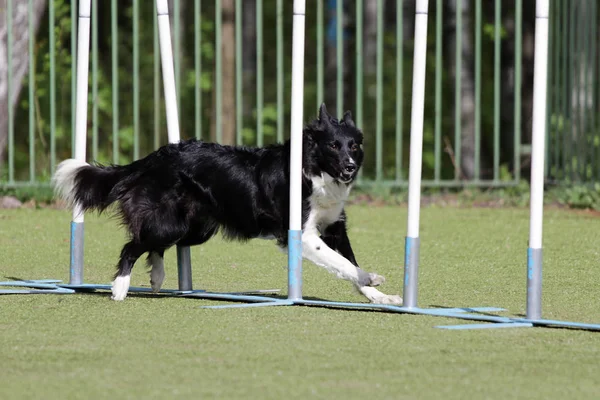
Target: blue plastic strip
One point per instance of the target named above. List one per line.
(42, 286)
(338, 304)
(469, 309)
(91, 287)
(133, 289)
(487, 326)
(408, 310)
(294, 264)
(259, 291)
(247, 305)
(232, 297)
(563, 324)
(30, 284)
(34, 281)
(37, 291)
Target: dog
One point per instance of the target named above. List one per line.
(184, 193)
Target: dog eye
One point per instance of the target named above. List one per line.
(333, 146)
(355, 147)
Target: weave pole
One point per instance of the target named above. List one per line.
(184, 264)
(83, 56)
(295, 231)
(540, 82)
(412, 241)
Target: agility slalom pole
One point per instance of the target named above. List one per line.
(534, 252)
(184, 265)
(412, 241)
(295, 231)
(166, 58)
(83, 56)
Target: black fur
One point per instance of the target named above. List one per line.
(184, 193)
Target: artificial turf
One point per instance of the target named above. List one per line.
(87, 346)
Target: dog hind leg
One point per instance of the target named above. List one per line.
(129, 255)
(157, 273)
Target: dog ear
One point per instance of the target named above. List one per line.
(348, 119)
(324, 116)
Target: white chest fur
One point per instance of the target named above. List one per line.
(326, 201)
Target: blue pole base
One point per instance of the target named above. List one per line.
(411, 271)
(76, 261)
(534, 284)
(294, 264)
(50, 286)
(184, 268)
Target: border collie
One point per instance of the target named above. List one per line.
(183, 193)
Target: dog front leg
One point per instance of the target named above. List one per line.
(316, 250)
(336, 237)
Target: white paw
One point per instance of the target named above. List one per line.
(120, 287)
(377, 297)
(393, 299)
(376, 280)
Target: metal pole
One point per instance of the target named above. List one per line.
(534, 252)
(295, 231)
(411, 247)
(83, 55)
(184, 266)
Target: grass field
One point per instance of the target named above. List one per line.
(87, 346)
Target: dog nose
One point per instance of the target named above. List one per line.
(350, 168)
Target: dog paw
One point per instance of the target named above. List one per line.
(376, 297)
(392, 299)
(118, 297)
(120, 287)
(375, 280)
(156, 280)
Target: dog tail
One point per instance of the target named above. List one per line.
(91, 187)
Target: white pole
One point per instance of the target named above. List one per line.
(184, 266)
(540, 73)
(411, 248)
(297, 103)
(83, 56)
(166, 55)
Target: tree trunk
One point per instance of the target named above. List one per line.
(582, 93)
(227, 72)
(509, 84)
(248, 53)
(19, 57)
(527, 82)
(467, 89)
(370, 37)
(180, 16)
(332, 65)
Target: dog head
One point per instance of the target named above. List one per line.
(333, 146)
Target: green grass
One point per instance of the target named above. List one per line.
(87, 346)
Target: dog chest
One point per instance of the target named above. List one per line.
(326, 202)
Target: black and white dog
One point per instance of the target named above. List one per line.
(183, 193)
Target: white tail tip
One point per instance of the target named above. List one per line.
(64, 179)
